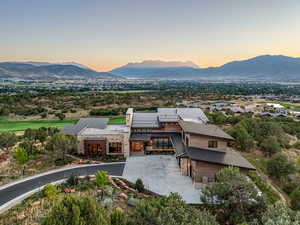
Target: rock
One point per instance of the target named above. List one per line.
(31, 170)
(39, 163)
(35, 203)
(108, 202)
(69, 190)
(133, 202)
(21, 217)
(123, 195)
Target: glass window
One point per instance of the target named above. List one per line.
(213, 144)
(115, 147)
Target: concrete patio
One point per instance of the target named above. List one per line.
(161, 174)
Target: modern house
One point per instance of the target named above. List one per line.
(201, 149)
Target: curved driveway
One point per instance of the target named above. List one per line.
(15, 190)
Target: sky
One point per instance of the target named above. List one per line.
(105, 34)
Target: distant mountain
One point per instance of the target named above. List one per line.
(265, 67)
(161, 64)
(48, 71)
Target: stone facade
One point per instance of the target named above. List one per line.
(122, 138)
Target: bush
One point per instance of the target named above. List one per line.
(139, 185)
(295, 199)
(280, 167)
(76, 210)
(73, 181)
(119, 217)
(51, 191)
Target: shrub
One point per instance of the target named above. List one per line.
(119, 217)
(51, 191)
(280, 167)
(73, 181)
(295, 199)
(76, 210)
(102, 179)
(139, 185)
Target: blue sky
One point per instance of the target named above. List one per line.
(108, 33)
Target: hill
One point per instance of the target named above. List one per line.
(48, 71)
(265, 67)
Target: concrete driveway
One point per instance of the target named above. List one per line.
(161, 174)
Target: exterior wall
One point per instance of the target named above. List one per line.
(184, 166)
(123, 138)
(203, 172)
(137, 146)
(202, 142)
(171, 127)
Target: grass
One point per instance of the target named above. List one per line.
(20, 125)
(290, 106)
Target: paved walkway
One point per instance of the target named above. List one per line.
(13, 191)
(161, 174)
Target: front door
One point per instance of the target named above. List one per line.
(137, 146)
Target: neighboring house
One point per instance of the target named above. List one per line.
(201, 149)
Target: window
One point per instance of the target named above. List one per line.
(212, 144)
(115, 147)
(162, 143)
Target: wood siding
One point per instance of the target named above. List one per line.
(199, 141)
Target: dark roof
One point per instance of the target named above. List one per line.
(229, 158)
(204, 129)
(99, 123)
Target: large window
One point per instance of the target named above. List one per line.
(115, 147)
(213, 144)
(162, 143)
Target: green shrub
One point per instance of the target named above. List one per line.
(51, 191)
(73, 181)
(295, 199)
(119, 217)
(139, 185)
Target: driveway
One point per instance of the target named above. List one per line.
(161, 174)
(12, 191)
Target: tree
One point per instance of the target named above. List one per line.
(233, 197)
(270, 145)
(62, 144)
(60, 116)
(295, 199)
(28, 146)
(7, 140)
(102, 180)
(41, 134)
(76, 211)
(279, 167)
(243, 139)
(171, 210)
(30, 134)
(279, 214)
(22, 157)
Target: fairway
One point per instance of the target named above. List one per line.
(20, 125)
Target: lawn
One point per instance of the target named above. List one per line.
(20, 125)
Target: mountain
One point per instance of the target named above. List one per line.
(161, 64)
(48, 71)
(265, 67)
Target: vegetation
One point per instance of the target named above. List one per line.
(51, 191)
(170, 210)
(234, 197)
(280, 167)
(139, 185)
(22, 157)
(7, 140)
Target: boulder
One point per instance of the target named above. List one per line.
(133, 202)
(123, 195)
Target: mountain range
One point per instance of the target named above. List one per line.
(49, 71)
(260, 68)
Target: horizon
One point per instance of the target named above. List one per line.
(106, 35)
(146, 60)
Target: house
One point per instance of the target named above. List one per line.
(201, 149)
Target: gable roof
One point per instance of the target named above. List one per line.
(98, 123)
(204, 129)
(145, 120)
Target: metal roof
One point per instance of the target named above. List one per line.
(98, 123)
(204, 129)
(145, 120)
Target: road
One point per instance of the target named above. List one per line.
(11, 192)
